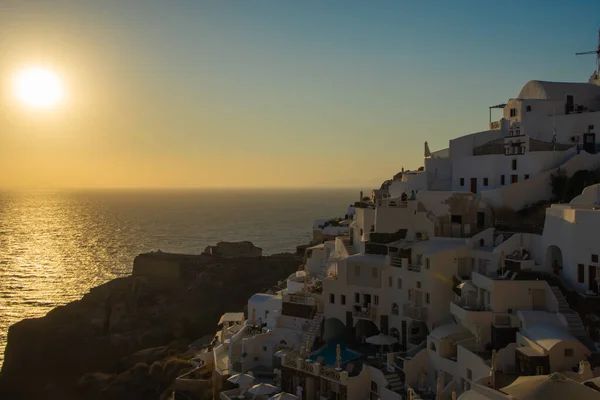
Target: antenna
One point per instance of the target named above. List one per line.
(596, 52)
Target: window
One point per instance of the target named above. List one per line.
(514, 178)
(419, 259)
(399, 283)
(518, 132)
(357, 270)
(373, 387)
(526, 176)
(590, 128)
(456, 219)
(395, 309)
(432, 346)
(462, 181)
(502, 180)
(374, 272)
(426, 298)
(390, 281)
(514, 165)
(331, 298)
(376, 300)
(264, 348)
(539, 370)
(513, 112)
(427, 263)
(357, 298)
(594, 258)
(485, 181)
(361, 232)
(343, 299)
(418, 285)
(568, 352)
(528, 109)
(580, 277)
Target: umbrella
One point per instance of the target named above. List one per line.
(284, 396)
(338, 356)
(494, 367)
(382, 340)
(262, 389)
(280, 353)
(241, 379)
(439, 388)
(411, 394)
(453, 395)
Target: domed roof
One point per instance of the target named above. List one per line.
(558, 90)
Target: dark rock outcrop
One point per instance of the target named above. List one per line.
(102, 334)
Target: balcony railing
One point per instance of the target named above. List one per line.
(414, 268)
(296, 362)
(415, 312)
(365, 313)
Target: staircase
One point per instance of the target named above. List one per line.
(395, 383)
(314, 327)
(576, 327)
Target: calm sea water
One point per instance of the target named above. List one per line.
(55, 246)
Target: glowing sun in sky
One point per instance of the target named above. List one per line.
(38, 87)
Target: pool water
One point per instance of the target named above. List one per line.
(328, 352)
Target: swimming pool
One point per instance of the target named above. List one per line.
(328, 352)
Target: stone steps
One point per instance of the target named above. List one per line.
(394, 382)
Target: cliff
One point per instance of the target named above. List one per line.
(168, 301)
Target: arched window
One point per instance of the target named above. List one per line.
(432, 346)
(395, 309)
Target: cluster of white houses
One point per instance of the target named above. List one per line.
(418, 295)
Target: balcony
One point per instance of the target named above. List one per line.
(414, 267)
(471, 313)
(418, 313)
(364, 313)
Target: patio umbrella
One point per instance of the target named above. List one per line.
(338, 356)
(494, 367)
(280, 353)
(284, 396)
(262, 389)
(382, 340)
(241, 379)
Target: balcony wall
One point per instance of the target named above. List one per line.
(414, 312)
(470, 317)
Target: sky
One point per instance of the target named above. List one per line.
(256, 93)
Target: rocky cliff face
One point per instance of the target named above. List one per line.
(47, 357)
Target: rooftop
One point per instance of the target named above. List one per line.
(547, 335)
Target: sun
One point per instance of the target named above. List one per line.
(38, 87)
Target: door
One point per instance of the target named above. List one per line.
(570, 104)
(367, 300)
(538, 299)
(404, 334)
(474, 185)
(480, 220)
(593, 285)
(589, 143)
(514, 178)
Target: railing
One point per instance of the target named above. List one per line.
(396, 262)
(296, 362)
(414, 268)
(414, 312)
(367, 313)
(392, 203)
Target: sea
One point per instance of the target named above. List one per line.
(56, 245)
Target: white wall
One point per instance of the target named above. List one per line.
(519, 195)
(574, 232)
(493, 166)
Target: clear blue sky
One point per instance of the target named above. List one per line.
(270, 93)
